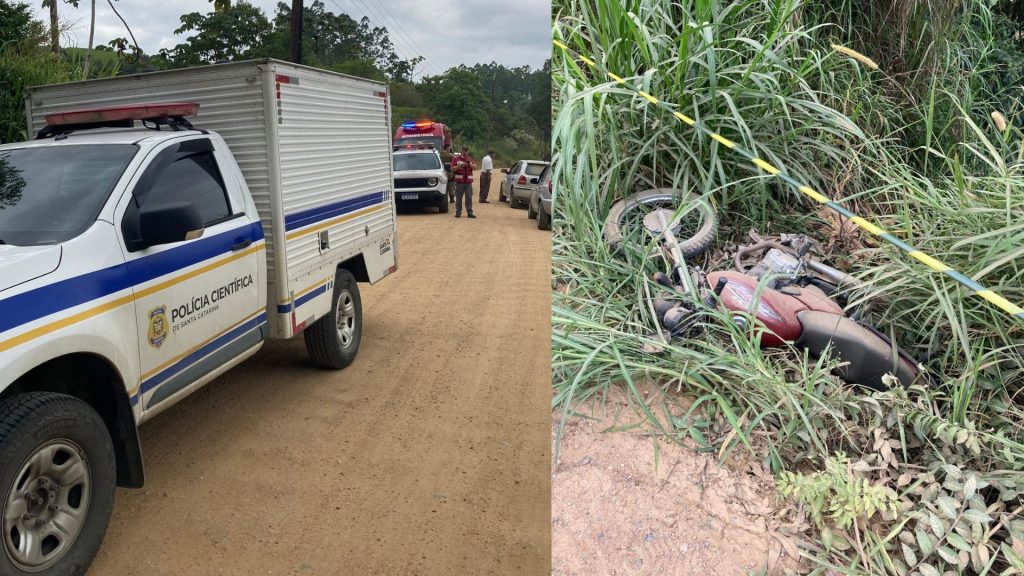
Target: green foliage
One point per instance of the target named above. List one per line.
(458, 100)
(17, 25)
(912, 146)
(25, 61)
(229, 34)
(838, 493)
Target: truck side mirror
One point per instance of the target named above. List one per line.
(504, 170)
(169, 223)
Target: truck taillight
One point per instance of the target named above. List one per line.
(522, 180)
(131, 112)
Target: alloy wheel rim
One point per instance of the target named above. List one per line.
(346, 318)
(46, 506)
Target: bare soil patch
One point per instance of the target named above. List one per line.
(616, 511)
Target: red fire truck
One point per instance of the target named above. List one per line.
(425, 132)
(429, 133)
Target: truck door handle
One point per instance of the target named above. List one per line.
(240, 245)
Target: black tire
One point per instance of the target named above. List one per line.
(324, 340)
(29, 423)
(501, 193)
(530, 212)
(543, 220)
(512, 201)
(691, 247)
(442, 205)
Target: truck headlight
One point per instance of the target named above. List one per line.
(431, 181)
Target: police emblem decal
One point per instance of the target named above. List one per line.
(157, 326)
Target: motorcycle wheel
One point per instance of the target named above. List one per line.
(695, 227)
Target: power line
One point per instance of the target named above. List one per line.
(399, 26)
(366, 13)
(397, 39)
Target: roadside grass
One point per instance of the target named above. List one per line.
(927, 480)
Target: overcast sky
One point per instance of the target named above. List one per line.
(446, 32)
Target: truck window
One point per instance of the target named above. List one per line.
(535, 169)
(192, 178)
(195, 179)
(51, 194)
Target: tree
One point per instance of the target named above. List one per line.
(54, 26)
(458, 100)
(236, 32)
(17, 25)
(360, 68)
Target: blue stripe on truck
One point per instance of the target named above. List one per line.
(286, 308)
(46, 300)
(210, 356)
(314, 215)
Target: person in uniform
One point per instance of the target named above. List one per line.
(462, 168)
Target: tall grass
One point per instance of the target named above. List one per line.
(913, 146)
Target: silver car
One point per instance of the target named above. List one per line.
(518, 181)
(540, 200)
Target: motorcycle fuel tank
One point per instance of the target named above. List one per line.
(775, 310)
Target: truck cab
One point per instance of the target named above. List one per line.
(140, 259)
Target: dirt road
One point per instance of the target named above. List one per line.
(429, 455)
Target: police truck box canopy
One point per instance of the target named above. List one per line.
(155, 233)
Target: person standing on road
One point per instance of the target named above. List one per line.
(462, 167)
(486, 165)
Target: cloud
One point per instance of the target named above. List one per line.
(447, 33)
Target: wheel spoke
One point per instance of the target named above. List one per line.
(67, 521)
(42, 462)
(30, 549)
(72, 472)
(17, 506)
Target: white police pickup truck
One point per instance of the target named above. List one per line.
(141, 257)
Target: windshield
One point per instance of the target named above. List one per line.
(51, 194)
(416, 162)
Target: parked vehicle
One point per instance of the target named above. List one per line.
(420, 177)
(136, 265)
(516, 183)
(540, 200)
(433, 134)
(429, 132)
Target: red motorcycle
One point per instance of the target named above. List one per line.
(787, 291)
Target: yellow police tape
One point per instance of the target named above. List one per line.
(933, 263)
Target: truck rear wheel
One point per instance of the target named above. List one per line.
(57, 478)
(333, 340)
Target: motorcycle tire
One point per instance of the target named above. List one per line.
(695, 244)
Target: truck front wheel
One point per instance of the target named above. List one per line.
(333, 340)
(57, 478)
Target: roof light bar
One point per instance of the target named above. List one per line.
(421, 125)
(117, 113)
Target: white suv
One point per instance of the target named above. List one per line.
(420, 177)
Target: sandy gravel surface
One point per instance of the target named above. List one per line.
(616, 511)
(429, 455)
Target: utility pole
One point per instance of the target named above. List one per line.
(296, 31)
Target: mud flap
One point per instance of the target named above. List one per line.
(869, 355)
